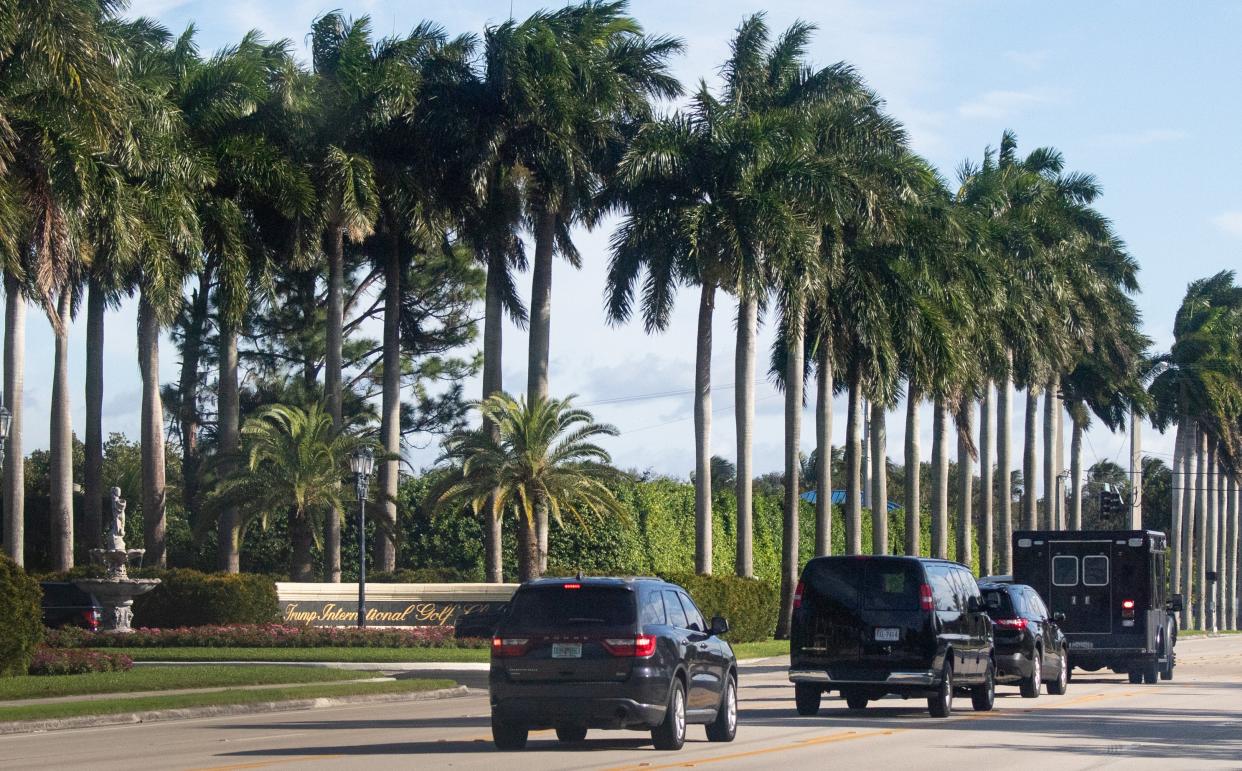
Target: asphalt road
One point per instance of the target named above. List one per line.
(1194, 721)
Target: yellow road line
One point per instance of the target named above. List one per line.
(832, 738)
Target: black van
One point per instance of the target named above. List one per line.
(872, 626)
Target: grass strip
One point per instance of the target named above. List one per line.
(164, 679)
(761, 650)
(67, 709)
(351, 655)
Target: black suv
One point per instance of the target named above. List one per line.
(573, 654)
(872, 626)
(1029, 643)
(66, 605)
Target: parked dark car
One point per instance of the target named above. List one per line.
(66, 605)
(633, 653)
(872, 626)
(1030, 647)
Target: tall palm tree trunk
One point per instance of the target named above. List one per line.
(913, 499)
(188, 416)
(1075, 512)
(793, 463)
(92, 463)
(1050, 456)
(14, 382)
(61, 444)
(153, 486)
(1030, 470)
(744, 418)
(228, 546)
(540, 342)
(879, 481)
(987, 537)
(1136, 471)
(1209, 538)
(864, 462)
(1201, 515)
(1004, 486)
(823, 452)
(965, 483)
(853, 467)
(301, 541)
(493, 381)
(703, 432)
(333, 384)
(1231, 554)
(1059, 459)
(1175, 518)
(390, 410)
(1190, 497)
(940, 480)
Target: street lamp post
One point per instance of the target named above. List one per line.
(6, 418)
(361, 462)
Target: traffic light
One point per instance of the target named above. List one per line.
(1110, 502)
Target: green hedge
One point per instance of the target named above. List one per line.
(750, 605)
(191, 598)
(21, 628)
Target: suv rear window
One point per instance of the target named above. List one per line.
(552, 607)
(999, 603)
(869, 584)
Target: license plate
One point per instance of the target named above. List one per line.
(1082, 644)
(887, 634)
(566, 650)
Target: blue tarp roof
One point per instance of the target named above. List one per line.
(838, 498)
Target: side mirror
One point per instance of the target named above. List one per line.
(1058, 617)
(1176, 603)
(975, 605)
(719, 625)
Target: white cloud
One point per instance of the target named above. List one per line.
(1001, 104)
(1144, 137)
(1230, 222)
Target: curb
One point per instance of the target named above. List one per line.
(222, 710)
(361, 666)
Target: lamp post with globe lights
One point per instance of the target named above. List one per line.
(362, 463)
(6, 419)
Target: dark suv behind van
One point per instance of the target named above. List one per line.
(573, 654)
(872, 626)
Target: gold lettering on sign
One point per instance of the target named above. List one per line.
(382, 613)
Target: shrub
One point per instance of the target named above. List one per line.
(264, 636)
(435, 575)
(21, 628)
(191, 598)
(68, 661)
(749, 604)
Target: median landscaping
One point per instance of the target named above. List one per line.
(164, 679)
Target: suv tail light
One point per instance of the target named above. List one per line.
(925, 598)
(797, 600)
(1010, 623)
(639, 647)
(508, 647)
(1127, 608)
(93, 617)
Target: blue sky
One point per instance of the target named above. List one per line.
(1142, 94)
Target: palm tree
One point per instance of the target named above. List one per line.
(294, 462)
(545, 457)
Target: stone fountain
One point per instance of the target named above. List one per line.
(116, 591)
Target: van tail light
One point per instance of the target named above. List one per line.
(1127, 608)
(640, 647)
(508, 647)
(1010, 623)
(797, 600)
(925, 598)
(93, 617)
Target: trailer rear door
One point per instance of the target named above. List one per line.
(1081, 585)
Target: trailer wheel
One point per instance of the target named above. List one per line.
(1136, 676)
(1151, 672)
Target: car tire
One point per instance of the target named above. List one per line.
(1135, 676)
(724, 727)
(983, 697)
(1057, 687)
(1166, 673)
(856, 701)
(941, 703)
(1031, 686)
(671, 734)
(570, 734)
(807, 697)
(508, 736)
(1151, 672)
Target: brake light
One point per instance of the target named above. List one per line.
(507, 647)
(1127, 608)
(797, 601)
(639, 647)
(93, 618)
(571, 586)
(1010, 623)
(925, 598)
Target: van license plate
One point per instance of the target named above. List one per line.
(1080, 644)
(887, 634)
(566, 650)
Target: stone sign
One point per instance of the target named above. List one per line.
(388, 605)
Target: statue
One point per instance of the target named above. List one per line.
(117, 590)
(116, 530)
